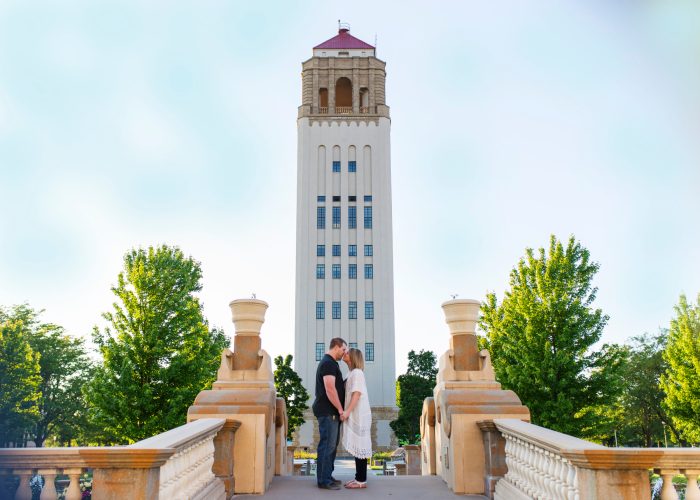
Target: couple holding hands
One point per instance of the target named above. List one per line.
(342, 402)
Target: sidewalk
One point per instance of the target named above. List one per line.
(389, 487)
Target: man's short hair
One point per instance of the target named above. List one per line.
(337, 342)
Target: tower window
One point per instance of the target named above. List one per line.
(320, 310)
(323, 100)
(343, 95)
(321, 217)
(320, 250)
(369, 310)
(368, 217)
(336, 218)
(353, 345)
(369, 251)
(352, 198)
(336, 271)
(352, 217)
(352, 311)
(336, 310)
(352, 166)
(319, 351)
(321, 198)
(369, 351)
(369, 272)
(320, 271)
(336, 166)
(352, 271)
(336, 250)
(352, 250)
(336, 198)
(368, 197)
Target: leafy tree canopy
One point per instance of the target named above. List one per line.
(64, 369)
(541, 336)
(681, 380)
(19, 381)
(158, 350)
(411, 390)
(289, 386)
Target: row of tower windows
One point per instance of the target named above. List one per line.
(352, 250)
(369, 350)
(335, 271)
(322, 198)
(352, 310)
(352, 166)
(352, 217)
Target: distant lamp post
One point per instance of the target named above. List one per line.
(665, 440)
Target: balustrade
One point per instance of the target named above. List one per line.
(545, 464)
(174, 465)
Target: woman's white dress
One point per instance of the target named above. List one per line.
(357, 438)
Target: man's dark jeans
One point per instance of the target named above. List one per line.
(329, 433)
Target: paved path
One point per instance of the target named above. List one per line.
(396, 488)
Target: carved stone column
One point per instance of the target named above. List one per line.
(245, 392)
(465, 393)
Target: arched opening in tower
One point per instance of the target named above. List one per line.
(343, 95)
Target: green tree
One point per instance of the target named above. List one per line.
(681, 379)
(411, 390)
(289, 386)
(643, 414)
(541, 336)
(158, 351)
(19, 382)
(64, 370)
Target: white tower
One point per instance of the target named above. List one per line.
(344, 262)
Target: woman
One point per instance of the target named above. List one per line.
(357, 418)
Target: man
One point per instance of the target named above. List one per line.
(328, 409)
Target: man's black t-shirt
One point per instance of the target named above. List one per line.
(322, 405)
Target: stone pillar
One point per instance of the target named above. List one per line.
(413, 460)
(245, 392)
(466, 392)
(223, 455)
(427, 433)
(494, 456)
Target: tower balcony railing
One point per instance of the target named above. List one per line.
(180, 463)
(541, 463)
(344, 110)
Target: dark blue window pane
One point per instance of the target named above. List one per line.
(336, 250)
(368, 251)
(369, 310)
(336, 310)
(321, 217)
(368, 197)
(319, 351)
(352, 312)
(369, 272)
(336, 271)
(320, 271)
(352, 250)
(320, 250)
(336, 217)
(352, 217)
(320, 310)
(336, 166)
(368, 217)
(321, 198)
(352, 271)
(369, 351)
(352, 166)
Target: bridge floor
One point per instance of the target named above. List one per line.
(389, 487)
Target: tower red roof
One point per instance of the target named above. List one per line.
(344, 40)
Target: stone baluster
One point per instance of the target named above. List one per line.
(692, 492)
(73, 491)
(48, 492)
(668, 491)
(24, 491)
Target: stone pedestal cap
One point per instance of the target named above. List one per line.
(248, 315)
(461, 315)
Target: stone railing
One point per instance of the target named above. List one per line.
(191, 461)
(542, 463)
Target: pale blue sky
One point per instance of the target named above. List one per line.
(129, 124)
